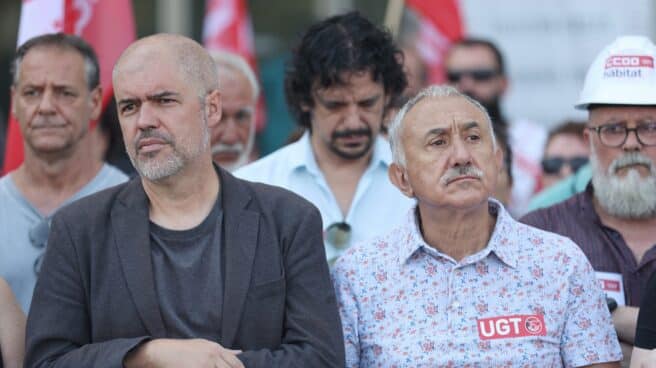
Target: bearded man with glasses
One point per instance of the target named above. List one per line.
(613, 220)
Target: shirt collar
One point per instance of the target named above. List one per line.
(503, 242)
(302, 155)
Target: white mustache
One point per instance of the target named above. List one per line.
(628, 159)
(236, 148)
(455, 172)
(43, 123)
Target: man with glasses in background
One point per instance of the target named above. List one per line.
(342, 78)
(55, 95)
(477, 68)
(613, 220)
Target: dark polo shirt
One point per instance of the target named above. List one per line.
(606, 249)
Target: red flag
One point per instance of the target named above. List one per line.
(440, 25)
(228, 27)
(108, 25)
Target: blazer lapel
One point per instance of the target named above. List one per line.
(131, 230)
(241, 228)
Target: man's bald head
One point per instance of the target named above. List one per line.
(193, 60)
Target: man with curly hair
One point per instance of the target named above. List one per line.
(340, 81)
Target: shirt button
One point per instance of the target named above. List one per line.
(455, 305)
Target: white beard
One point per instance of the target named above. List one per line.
(244, 151)
(629, 197)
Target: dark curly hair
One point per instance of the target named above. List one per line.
(337, 45)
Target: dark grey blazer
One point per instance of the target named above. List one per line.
(95, 298)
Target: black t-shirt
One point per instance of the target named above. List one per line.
(187, 273)
(646, 331)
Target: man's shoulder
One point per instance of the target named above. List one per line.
(272, 166)
(378, 252)
(274, 198)
(6, 187)
(544, 241)
(551, 250)
(111, 175)
(563, 215)
(96, 203)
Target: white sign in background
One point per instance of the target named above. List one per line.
(548, 46)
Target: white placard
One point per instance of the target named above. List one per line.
(613, 285)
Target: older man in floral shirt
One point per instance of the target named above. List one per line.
(459, 282)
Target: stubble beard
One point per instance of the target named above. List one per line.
(184, 151)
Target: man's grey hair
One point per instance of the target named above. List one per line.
(228, 60)
(396, 128)
(63, 42)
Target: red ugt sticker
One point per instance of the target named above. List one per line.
(504, 327)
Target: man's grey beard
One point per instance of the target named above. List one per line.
(183, 152)
(629, 197)
(244, 151)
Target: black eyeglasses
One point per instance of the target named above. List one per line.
(552, 165)
(614, 135)
(38, 235)
(338, 234)
(479, 75)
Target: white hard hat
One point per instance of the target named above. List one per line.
(622, 74)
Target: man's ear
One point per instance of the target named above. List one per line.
(213, 105)
(586, 136)
(95, 101)
(399, 177)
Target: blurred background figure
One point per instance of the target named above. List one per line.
(56, 95)
(233, 138)
(477, 68)
(503, 190)
(12, 329)
(415, 71)
(565, 152)
(393, 108)
(109, 145)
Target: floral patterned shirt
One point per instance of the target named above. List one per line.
(528, 299)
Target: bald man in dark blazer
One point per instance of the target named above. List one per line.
(184, 266)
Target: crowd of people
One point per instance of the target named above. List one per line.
(399, 228)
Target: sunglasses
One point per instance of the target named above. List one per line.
(338, 234)
(478, 75)
(38, 235)
(552, 165)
